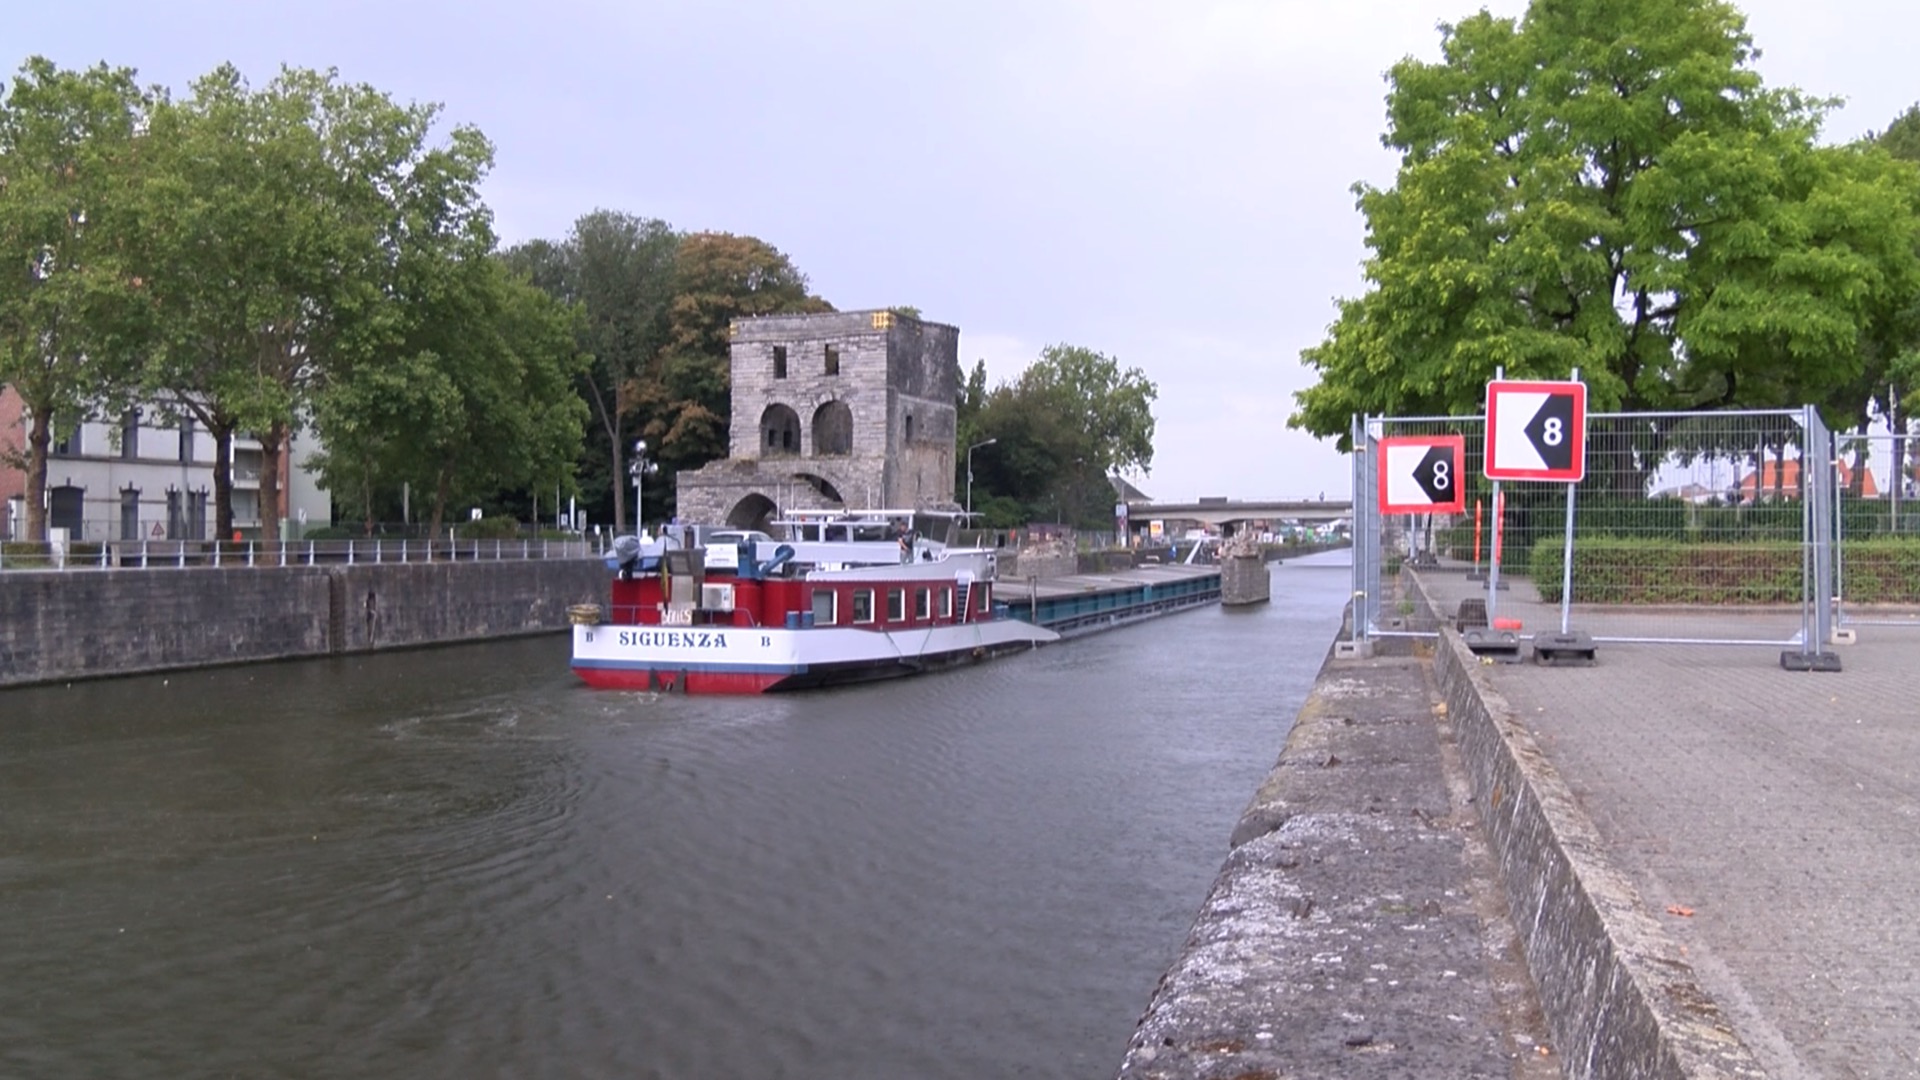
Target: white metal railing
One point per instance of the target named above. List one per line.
(180, 554)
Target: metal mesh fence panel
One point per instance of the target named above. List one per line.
(1688, 528)
(1434, 542)
(1876, 528)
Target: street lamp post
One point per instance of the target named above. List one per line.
(970, 450)
(640, 467)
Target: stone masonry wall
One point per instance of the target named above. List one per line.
(924, 379)
(891, 369)
(71, 625)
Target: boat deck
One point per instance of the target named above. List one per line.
(1085, 603)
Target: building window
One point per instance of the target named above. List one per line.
(779, 361)
(909, 427)
(197, 514)
(863, 605)
(946, 603)
(129, 513)
(824, 607)
(66, 509)
(130, 435)
(896, 605)
(922, 604)
(833, 359)
(186, 440)
(67, 445)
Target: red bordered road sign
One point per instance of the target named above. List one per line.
(1536, 430)
(1421, 474)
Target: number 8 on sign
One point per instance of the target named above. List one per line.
(1421, 474)
(1536, 430)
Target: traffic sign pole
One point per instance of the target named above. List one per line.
(1566, 557)
(1493, 561)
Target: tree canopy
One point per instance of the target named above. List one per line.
(69, 150)
(655, 307)
(1071, 419)
(1607, 185)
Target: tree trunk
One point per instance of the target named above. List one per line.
(222, 480)
(39, 437)
(271, 448)
(620, 486)
(442, 491)
(366, 499)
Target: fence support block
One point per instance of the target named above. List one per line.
(1497, 646)
(1565, 648)
(1794, 660)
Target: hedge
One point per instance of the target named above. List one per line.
(1611, 570)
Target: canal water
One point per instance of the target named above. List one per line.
(460, 863)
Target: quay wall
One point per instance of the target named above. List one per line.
(72, 625)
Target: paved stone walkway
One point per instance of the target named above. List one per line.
(1769, 819)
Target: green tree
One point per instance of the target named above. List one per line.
(1072, 418)
(618, 270)
(1608, 187)
(476, 397)
(69, 158)
(1902, 137)
(280, 215)
(684, 398)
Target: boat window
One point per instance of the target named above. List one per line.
(896, 605)
(863, 605)
(922, 603)
(946, 603)
(986, 599)
(824, 607)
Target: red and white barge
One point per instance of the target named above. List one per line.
(847, 598)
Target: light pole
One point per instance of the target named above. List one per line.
(640, 467)
(970, 451)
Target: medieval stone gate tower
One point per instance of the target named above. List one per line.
(845, 409)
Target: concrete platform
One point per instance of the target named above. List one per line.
(1746, 838)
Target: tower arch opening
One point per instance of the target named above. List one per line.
(779, 431)
(833, 429)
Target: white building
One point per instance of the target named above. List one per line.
(153, 480)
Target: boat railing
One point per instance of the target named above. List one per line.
(650, 615)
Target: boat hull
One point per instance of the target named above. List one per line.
(751, 660)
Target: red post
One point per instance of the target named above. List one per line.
(1476, 536)
(1499, 516)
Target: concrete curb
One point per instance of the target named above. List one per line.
(1619, 995)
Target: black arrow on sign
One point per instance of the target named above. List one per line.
(1551, 432)
(1435, 474)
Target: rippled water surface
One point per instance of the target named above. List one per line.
(460, 863)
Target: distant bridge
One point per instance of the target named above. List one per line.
(1237, 512)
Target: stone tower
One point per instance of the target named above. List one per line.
(845, 409)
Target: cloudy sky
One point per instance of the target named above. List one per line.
(1167, 182)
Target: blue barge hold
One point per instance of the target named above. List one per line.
(1085, 603)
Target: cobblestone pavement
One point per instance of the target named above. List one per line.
(1769, 819)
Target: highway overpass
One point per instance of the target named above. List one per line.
(1239, 511)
